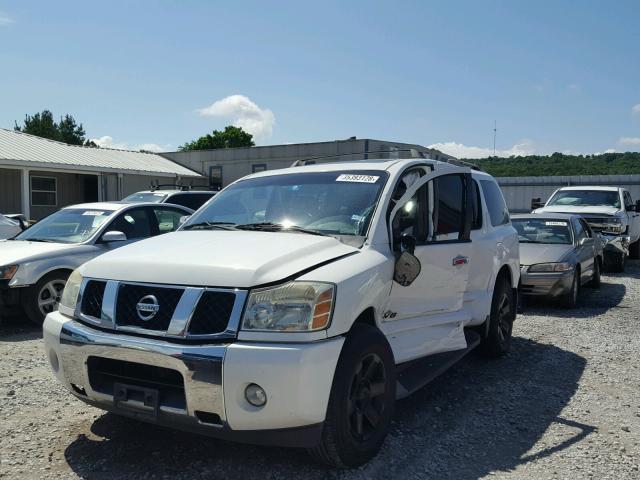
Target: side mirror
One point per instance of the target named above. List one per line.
(536, 203)
(407, 266)
(184, 218)
(113, 236)
(408, 243)
(585, 241)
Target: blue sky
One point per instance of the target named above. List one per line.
(555, 75)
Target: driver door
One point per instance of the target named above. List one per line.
(427, 314)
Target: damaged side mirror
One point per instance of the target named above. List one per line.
(407, 266)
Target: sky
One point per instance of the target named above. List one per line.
(553, 75)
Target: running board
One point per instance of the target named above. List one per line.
(416, 374)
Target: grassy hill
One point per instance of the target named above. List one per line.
(560, 164)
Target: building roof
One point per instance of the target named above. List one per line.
(25, 150)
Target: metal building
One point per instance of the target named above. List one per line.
(518, 191)
(38, 176)
(224, 166)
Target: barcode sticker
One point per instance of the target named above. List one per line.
(350, 177)
(92, 213)
(555, 224)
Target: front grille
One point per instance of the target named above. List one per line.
(129, 295)
(212, 313)
(92, 298)
(104, 373)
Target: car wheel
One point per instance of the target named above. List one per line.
(595, 280)
(570, 299)
(618, 262)
(361, 401)
(634, 250)
(44, 296)
(503, 313)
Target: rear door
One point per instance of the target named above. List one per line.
(634, 217)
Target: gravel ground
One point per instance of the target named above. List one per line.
(565, 403)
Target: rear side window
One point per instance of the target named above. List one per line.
(190, 200)
(498, 212)
(449, 199)
(476, 206)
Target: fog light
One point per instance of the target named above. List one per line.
(255, 395)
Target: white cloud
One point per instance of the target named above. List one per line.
(5, 19)
(573, 86)
(635, 110)
(635, 141)
(106, 141)
(244, 113)
(459, 150)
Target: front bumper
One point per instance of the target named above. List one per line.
(552, 284)
(615, 244)
(9, 299)
(202, 386)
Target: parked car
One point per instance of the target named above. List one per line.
(296, 306)
(9, 227)
(35, 264)
(175, 194)
(559, 253)
(609, 211)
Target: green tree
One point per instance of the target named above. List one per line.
(43, 125)
(231, 137)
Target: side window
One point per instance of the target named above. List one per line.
(447, 214)
(586, 227)
(579, 230)
(498, 212)
(168, 219)
(627, 200)
(476, 206)
(215, 176)
(190, 200)
(133, 223)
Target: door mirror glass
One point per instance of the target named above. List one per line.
(114, 236)
(184, 218)
(407, 269)
(408, 243)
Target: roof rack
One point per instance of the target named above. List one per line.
(184, 188)
(414, 153)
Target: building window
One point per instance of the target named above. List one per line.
(215, 177)
(258, 167)
(44, 191)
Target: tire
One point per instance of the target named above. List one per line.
(497, 341)
(44, 296)
(618, 262)
(634, 250)
(595, 280)
(570, 299)
(359, 416)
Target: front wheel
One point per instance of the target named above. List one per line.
(570, 299)
(595, 279)
(44, 296)
(361, 401)
(618, 262)
(634, 250)
(503, 313)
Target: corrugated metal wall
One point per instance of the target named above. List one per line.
(10, 188)
(518, 191)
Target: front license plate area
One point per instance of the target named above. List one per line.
(139, 400)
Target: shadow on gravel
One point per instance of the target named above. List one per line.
(481, 416)
(18, 329)
(591, 302)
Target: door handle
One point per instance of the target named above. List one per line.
(460, 260)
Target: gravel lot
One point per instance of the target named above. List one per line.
(565, 403)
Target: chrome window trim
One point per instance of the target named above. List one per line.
(181, 318)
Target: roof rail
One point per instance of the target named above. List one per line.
(413, 153)
(185, 188)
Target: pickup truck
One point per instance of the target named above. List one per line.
(610, 211)
(296, 306)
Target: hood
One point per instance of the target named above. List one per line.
(600, 210)
(531, 253)
(17, 251)
(239, 259)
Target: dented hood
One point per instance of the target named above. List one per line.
(241, 259)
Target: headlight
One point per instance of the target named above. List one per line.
(292, 307)
(70, 293)
(550, 267)
(613, 225)
(7, 273)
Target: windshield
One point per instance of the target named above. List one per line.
(586, 198)
(543, 231)
(70, 225)
(145, 197)
(333, 203)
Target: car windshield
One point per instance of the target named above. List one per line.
(586, 198)
(332, 203)
(69, 225)
(549, 231)
(141, 197)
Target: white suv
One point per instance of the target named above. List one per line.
(296, 306)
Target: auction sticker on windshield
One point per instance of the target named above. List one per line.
(555, 224)
(349, 177)
(92, 213)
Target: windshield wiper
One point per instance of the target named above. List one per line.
(41, 240)
(211, 225)
(278, 227)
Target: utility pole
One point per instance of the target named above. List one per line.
(495, 124)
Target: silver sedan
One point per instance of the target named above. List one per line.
(559, 253)
(35, 265)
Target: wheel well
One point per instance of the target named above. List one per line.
(368, 317)
(66, 271)
(504, 273)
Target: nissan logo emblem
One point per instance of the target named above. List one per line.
(147, 307)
